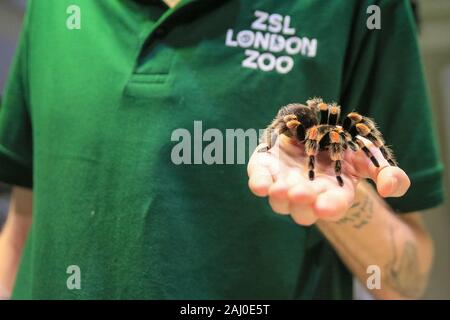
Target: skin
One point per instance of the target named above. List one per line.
(171, 3)
(356, 220)
(13, 237)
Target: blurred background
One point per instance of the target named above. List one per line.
(434, 23)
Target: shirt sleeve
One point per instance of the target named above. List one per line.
(15, 123)
(384, 79)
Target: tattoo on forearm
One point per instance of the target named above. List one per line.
(403, 272)
(360, 213)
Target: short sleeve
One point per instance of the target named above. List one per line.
(15, 123)
(384, 79)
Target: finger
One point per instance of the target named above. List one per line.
(303, 214)
(301, 198)
(392, 182)
(260, 181)
(258, 160)
(293, 177)
(365, 167)
(302, 194)
(278, 197)
(260, 173)
(333, 204)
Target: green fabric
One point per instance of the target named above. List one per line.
(87, 120)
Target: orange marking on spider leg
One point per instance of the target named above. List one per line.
(334, 110)
(313, 133)
(323, 106)
(355, 116)
(334, 137)
(362, 129)
(292, 124)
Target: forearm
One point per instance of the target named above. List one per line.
(371, 234)
(13, 237)
(11, 245)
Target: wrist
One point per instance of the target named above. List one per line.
(361, 211)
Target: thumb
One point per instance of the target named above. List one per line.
(391, 181)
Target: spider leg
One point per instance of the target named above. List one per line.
(269, 138)
(334, 112)
(377, 139)
(300, 132)
(263, 149)
(295, 127)
(337, 171)
(369, 131)
(388, 155)
(336, 150)
(348, 141)
(313, 103)
(353, 145)
(277, 127)
(355, 124)
(350, 120)
(366, 151)
(312, 148)
(323, 107)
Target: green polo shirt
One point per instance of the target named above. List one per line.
(99, 87)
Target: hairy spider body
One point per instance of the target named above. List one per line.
(316, 124)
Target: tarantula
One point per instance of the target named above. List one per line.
(317, 126)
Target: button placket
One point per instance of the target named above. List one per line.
(154, 59)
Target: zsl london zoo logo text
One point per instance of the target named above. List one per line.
(271, 43)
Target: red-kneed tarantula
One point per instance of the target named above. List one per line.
(317, 126)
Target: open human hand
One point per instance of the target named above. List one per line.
(282, 175)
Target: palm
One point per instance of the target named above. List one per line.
(282, 174)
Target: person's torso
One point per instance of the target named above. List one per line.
(109, 102)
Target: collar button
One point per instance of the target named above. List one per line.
(160, 32)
